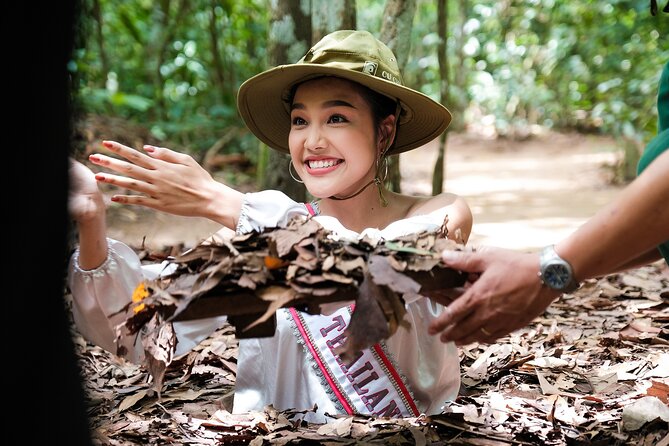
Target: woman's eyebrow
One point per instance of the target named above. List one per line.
(326, 104)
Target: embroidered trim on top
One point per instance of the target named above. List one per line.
(243, 217)
(108, 265)
(312, 208)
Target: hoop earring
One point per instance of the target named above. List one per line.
(290, 172)
(382, 161)
(379, 181)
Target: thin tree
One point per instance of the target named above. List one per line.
(396, 33)
(442, 57)
(331, 15)
(289, 38)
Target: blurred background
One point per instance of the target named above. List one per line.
(543, 94)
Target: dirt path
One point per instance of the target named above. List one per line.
(523, 194)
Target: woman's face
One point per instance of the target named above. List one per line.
(332, 139)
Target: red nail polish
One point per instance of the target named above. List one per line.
(149, 149)
(93, 158)
(106, 144)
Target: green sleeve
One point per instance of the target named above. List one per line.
(663, 100)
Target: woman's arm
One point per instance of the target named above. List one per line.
(86, 207)
(168, 181)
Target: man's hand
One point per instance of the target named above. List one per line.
(506, 296)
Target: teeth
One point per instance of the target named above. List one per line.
(321, 164)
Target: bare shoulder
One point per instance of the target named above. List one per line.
(454, 208)
(426, 205)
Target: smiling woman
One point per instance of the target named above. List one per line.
(339, 112)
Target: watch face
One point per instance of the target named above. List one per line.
(557, 276)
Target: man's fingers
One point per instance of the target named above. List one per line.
(451, 316)
(470, 262)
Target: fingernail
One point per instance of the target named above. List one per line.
(449, 255)
(107, 144)
(149, 149)
(93, 158)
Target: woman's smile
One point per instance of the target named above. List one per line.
(322, 166)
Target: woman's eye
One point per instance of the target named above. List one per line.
(337, 119)
(298, 121)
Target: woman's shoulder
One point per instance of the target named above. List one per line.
(446, 207)
(421, 205)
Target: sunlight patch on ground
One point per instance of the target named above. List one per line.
(522, 195)
(525, 235)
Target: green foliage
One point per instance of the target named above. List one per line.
(516, 65)
(175, 71)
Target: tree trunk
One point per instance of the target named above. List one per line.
(396, 33)
(438, 176)
(218, 75)
(458, 102)
(104, 60)
(331, 15)
(289, 39)
(166, 27)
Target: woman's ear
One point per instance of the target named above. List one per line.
(387, 130)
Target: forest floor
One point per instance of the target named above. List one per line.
(593, 370)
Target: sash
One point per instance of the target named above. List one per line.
(370, 385)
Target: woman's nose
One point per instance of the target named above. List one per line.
(314, 139)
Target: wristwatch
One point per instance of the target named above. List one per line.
(555, 272)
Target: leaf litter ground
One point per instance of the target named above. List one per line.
(592, 370)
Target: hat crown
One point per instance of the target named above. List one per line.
(356, 51)
(353, 55)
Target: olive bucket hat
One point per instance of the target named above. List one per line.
(354, 55)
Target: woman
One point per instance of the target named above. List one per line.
(339, 112)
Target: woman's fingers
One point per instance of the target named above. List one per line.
(133, 156)
(122, 167)
(122, 182)
(168, 155)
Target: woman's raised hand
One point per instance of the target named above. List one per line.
(85, 201)
(167, 181)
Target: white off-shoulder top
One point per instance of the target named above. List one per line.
(274, 370)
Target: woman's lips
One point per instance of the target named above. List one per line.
(322, 166)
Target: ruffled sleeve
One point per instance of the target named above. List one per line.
(267, 209)
(99, 297)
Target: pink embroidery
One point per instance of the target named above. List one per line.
(317, 358)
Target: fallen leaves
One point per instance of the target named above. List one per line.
(249, 277)
(574, 376)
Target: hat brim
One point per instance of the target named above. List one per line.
(261, 104)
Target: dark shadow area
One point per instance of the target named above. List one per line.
(47, 403)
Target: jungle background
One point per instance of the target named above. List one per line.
(572, 84)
